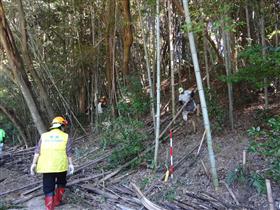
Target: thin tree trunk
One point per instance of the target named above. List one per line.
(276, 29)
(114, 74)
(43, 96)
(215, 48)
(94, 80)
(228, 65)
(202, 98)
(148, 68)
(110, 22)
(263, 53)
(127, 34)
(171, 52)
(205, 46)
(158, 83)
(15, 61)
(249, 38)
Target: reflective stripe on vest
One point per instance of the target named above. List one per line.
(53, 156)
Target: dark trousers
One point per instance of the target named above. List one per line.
(52, 179)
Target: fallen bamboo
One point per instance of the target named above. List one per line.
(206, 170)
(231, 193)
(86, 154)
(95, 176)
(201, 142)
(95, 190)
(20, 188)
(142, 153)
(24, 199)
(147, 203)
(31, 190)
(95, 161)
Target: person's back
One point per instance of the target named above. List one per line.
(185, 96)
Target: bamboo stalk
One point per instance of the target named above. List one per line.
(147, 203)
(269, 195)
(244, 159)
(231, 192)
(202, 139)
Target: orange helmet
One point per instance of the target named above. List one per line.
(58, 121)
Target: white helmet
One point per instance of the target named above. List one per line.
(181, 90)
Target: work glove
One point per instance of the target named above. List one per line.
(32, 169)
(70, 169)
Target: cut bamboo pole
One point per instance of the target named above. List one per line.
(201, 142)
(244, 158)
(202, 98)
(269, 195)
(205, 170)
(147, 203)
(231, 193)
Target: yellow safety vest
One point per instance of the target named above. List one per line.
(53, 156)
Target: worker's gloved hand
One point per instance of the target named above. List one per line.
(32, 169)
(70, 169)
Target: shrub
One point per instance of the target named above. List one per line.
(266, 143)
(126, 138)
(215, 110)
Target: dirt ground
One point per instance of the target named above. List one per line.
(189, 175)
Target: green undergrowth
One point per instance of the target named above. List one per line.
(125, 136)
(264, 145)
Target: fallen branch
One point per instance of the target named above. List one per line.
(95, 190)
(95, 161)
(85, 179)
(86, 154)
(201, 142)
(31, 190)
(20, 188)
(206, 170)
(231, 192)
(147, 203)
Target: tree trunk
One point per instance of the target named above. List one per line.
(15, 61)
(158, 83)
(276, 29)
(16, 122)
(202, 98)
(148, 68)
(215, 48)
(205, 46)
(171, 52)
(228, 65)
(263, 52)
(43, 96)
(110, 22)
(127, 34)
(249, 38)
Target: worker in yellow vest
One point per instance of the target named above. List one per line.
(53, 159)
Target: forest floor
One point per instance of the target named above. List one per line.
(190, 188)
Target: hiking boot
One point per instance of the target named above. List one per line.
(58, 195)
(49, 202)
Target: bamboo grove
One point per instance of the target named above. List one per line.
(61, 56)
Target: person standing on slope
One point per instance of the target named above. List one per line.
(53, 159)
(186, 97)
